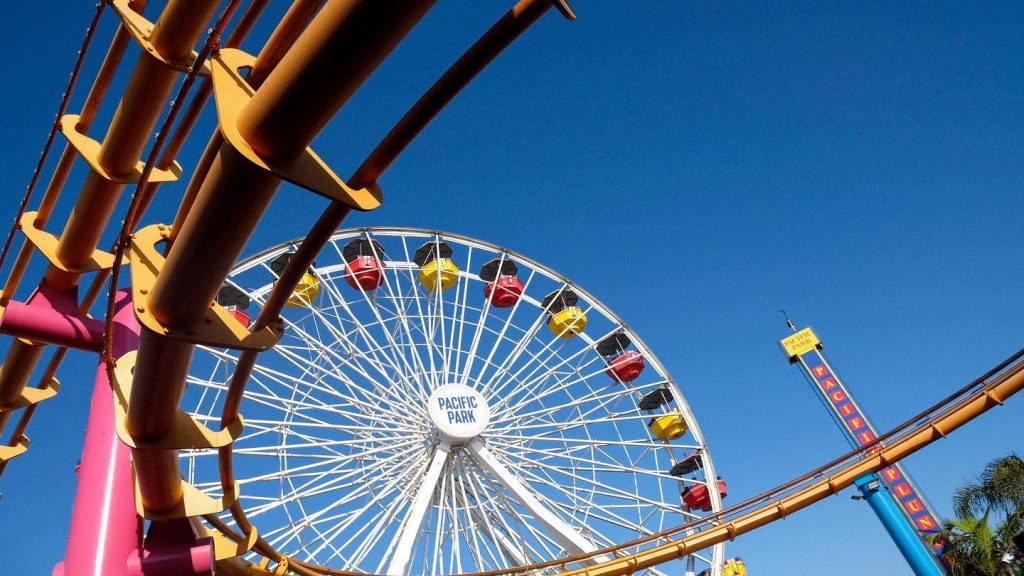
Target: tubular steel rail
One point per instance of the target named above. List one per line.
(315, 59)
(985, 393)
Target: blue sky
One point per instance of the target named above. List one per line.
(697, 167)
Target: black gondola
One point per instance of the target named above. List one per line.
(687, 465)
(431, 251)
(655, 399)
(362, 247)
(277, 265)
(613, 345)
(229, 295)
(560, 300)
(489, 271)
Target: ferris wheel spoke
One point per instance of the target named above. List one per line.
(501, 335)
(599, 488)
(455, 343)
(566, 536)
(525, 529)
(439, 327)
(413, 283)
(321, 516)
(513, 356)
(531, 381)
(391, 328)
(448, 329)
(398, 361)
(565, 384)
(364, 410)
(322, 535)
(500, 394)
(594, 511)
(440, 515)
(509, 439)
(370, 354)
(376, 525)
(401, 551)
(505, 547)
(324, 444)
(288, 382)
(481, 528)
(409, 409)
(564, 426)
(577, 503)
(398, 474)
(294, 328)
(610, 466)
(551, 348)
(381, 368)
(379, 531)
(337, 482)
(439, 330)
(596, 395)
(435, 334)
(483, 514)
(455, 560)
(478, 331)
(612, 390)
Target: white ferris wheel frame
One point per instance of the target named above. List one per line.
(440, 458)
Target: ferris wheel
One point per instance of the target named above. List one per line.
(441, 405)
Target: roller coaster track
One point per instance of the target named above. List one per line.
(934, 424)
(315, 59)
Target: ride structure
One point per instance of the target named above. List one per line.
(164, 490)
(415, 428)
(317, 55)
(892, 495)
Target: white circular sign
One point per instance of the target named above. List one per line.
(459, 412)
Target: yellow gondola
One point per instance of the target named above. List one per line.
(305, 292)
(441, 273)
(567, 322)
(668, 427)
(566, 319)
(734, 567)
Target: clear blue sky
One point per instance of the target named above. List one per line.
(697, 166)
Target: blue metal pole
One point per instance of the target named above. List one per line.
(906, 539)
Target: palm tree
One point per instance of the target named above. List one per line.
(973, 546)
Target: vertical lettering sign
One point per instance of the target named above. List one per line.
(805, 348)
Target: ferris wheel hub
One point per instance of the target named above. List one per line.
(459, 412)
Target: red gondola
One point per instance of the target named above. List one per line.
(623, 365)
(234, 301)
(365, 260)
(503, 286)
(698, 498)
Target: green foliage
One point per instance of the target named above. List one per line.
(989, 512)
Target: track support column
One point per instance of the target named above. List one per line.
(910, 545)
(105, 528)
